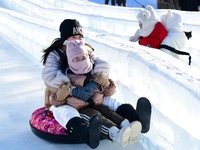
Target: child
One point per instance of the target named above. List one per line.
(151, 32)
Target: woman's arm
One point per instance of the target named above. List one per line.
(51, 73)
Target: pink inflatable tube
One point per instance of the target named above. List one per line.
(44, 125)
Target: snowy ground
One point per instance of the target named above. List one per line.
(172, 86)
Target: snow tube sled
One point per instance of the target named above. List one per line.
(44, 125)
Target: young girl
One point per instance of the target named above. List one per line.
(151, 32)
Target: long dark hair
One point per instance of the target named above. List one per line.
(56, 44)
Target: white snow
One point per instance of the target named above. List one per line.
(173, 87)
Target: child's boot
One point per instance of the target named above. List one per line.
(120, 136)
(136, 128)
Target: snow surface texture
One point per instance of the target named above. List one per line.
(172, 86)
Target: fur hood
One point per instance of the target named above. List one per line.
(148, 18)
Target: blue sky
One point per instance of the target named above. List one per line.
(132, 3)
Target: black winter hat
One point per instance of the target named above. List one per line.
(70, 27)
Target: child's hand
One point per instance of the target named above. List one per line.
(135, 38)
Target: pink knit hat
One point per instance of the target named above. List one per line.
(78, 57)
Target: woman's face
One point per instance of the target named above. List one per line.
(75, 37)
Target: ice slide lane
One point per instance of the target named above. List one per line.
(21, 93)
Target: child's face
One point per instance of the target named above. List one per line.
(80, 58)
(75, 37)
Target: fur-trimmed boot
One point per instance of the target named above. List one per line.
(120, 136)
(143, 110)
(88, 134)
(127, 111)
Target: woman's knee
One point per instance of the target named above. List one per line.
(90, 112)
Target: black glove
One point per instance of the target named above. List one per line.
(85, 92)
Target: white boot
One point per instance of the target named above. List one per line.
(121, 136)
(136, 128)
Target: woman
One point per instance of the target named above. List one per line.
(55, 76)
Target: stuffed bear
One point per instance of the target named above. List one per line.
(176, 37)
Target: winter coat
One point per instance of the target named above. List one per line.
(155, 38)
(54, 77)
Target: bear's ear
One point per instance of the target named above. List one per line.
(152, 12)
(169, 13)
(146, 14)
(143, 16)
(149, 8)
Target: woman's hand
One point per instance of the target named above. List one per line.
(97, 98)
(76, 103)
(109, 91)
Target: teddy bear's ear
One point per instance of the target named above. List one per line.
(153, 14)
(169, 11)
(149, 8)
(169, 14)
(146, 14)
